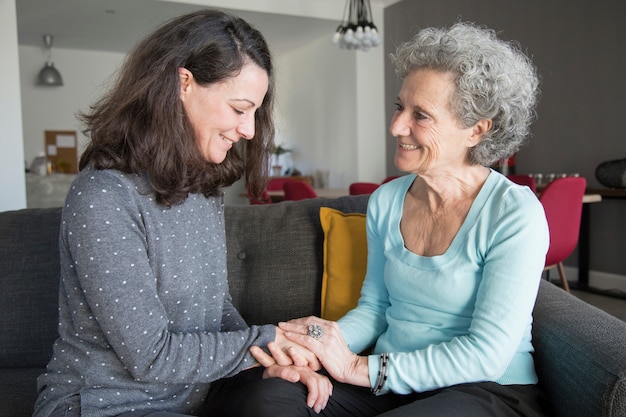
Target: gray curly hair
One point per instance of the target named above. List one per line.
(494, 80)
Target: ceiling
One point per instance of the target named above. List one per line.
(117, 25)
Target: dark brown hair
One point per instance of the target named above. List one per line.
(140, 125)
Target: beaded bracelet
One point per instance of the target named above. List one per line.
(382, 373)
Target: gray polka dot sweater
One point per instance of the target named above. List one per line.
(145, 317)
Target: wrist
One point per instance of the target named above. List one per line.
(358, 373)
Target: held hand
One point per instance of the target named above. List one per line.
(319, 387)
(300, 355)
(324, 339)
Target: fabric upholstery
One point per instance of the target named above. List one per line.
(526, 180)
(345, 261)
(562, 201)
(580, 355)
(18, 391)
(29, 270)
(273, 252)
(357, 188)
(298, 190)
(275, 262)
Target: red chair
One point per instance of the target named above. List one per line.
(357, 188)
(526, 180)
(562, 201)
(276, 184)
(391, 177)
(298, 190)
(265, 199)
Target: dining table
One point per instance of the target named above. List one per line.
(279, 195)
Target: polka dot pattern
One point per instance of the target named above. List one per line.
(145, 316)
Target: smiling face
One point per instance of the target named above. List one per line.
(223, 113)
(430, 137)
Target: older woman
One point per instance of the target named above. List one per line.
(455, 251)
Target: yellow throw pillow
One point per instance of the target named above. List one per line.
(345, 261)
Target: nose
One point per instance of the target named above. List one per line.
(398, 126)
(246, 128)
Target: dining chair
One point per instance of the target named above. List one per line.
(389, 178)
(357, 188)
(265, 199)
(298, 190)
(527, 180)
(562, 201)
(276, 184)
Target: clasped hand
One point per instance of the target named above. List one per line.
(295, 356)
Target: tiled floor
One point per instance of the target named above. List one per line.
(612, 305)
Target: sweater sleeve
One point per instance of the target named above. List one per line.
(129, 307)
(361, 326)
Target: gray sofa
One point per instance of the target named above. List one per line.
(275, 264)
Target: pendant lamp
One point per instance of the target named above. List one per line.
(49, 76)
(357, 30)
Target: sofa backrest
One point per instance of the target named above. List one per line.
(275, 266)
(274, 262)
(29, 270)
(275, 257)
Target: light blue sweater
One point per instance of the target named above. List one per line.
(463, 316)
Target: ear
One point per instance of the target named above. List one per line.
(186, 78)
(478, 131)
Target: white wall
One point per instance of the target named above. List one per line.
(315, 113)
(317, 110)
(85, 74)
(370, 101)
(330, 107)
(12, 184)
(316, 104)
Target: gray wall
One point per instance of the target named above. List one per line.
(579, 48)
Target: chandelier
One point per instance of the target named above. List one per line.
(357, 31)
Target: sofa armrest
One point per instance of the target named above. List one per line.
(580, 356)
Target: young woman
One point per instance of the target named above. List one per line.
(145, 316)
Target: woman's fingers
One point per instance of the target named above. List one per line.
(297, 358)
(280, 356)
(298, 354)
(288, 373)
(320, 389)
(261, 356)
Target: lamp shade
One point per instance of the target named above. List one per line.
(49, 76)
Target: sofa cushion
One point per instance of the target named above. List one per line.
(345, 261)
(273, 252)
(29, 270)
(19, 391)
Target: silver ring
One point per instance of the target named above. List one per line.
(315, 331)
